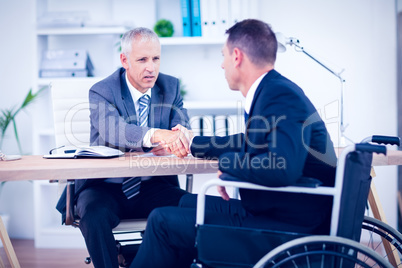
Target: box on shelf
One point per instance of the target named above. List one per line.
(63, 19)
(66, 63)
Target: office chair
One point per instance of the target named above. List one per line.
(72, 128)
(223, 246)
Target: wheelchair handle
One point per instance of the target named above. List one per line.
(386, 140)
(371, 148)
(392, 140)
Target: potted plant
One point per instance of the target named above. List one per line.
(8, 117)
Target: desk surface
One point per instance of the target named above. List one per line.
(35, 167)
(393, 157)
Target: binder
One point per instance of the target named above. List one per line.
(66, 63)
(63, 73)
(205, 18)
(202, 125)
(254, 11)
(69, 64)
(236, 124)
(186, 16)
(223, 19)
(195, 18)
(235, 12)
(214, 18)
(195, 125)
(221, 126)
(207, 125)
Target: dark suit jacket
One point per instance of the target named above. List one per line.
(114, 120)
(285, 140)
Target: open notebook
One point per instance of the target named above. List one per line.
(84, 152)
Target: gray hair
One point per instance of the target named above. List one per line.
(141, 34)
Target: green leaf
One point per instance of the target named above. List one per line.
(29, 99)
(8, 115)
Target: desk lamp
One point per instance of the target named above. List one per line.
(291, 41)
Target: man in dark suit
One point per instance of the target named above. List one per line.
(285, 140)
(133, 109)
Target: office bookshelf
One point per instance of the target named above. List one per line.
(100, 39)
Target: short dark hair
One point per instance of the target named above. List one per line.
(256, 39)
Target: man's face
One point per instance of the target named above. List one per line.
(227, 65)
(142, 64)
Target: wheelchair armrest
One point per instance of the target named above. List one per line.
(70, 196)
(322, 190)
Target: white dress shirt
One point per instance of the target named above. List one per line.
(136, 95)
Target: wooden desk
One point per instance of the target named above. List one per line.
(35, 167)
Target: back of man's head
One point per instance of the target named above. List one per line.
(256, 39)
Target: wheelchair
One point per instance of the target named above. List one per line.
(226, 246)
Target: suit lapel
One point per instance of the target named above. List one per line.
(127, 100)
(155, 113)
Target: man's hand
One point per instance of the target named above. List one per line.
(222, 189)
(172, 141)
(188, 134)
(181, 142)
(160, 151)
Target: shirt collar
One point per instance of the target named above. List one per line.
(251, 93)
(136, 94)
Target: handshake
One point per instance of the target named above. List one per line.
(175, 141)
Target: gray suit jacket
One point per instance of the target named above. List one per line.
(114, 120)
(113, 116)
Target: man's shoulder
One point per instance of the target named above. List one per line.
(111, 80)
(167, 82)
(166, 77)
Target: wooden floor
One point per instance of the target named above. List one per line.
(31, 257)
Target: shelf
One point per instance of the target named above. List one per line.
(81, 30)
(49, 80)
(165, 41)
(169, 41)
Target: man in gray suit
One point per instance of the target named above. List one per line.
(134, 109)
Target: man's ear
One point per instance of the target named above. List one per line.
(124, 60)
(237, 57)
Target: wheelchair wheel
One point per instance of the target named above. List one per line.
(379, 236)
(322, 251)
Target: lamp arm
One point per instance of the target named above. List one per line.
(296, 43)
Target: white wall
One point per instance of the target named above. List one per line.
(358, 35)
(16, 64)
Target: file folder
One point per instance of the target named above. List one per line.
(186, 16)
(66, 63)
(195, 18)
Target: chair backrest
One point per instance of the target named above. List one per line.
(71, 111)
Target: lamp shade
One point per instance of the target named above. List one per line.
(282, 41)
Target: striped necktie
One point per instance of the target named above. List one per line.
(131, 186)
(143, 111)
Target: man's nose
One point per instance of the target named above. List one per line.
(151, 66)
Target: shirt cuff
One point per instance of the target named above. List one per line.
(191, 143)
(146, 141)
